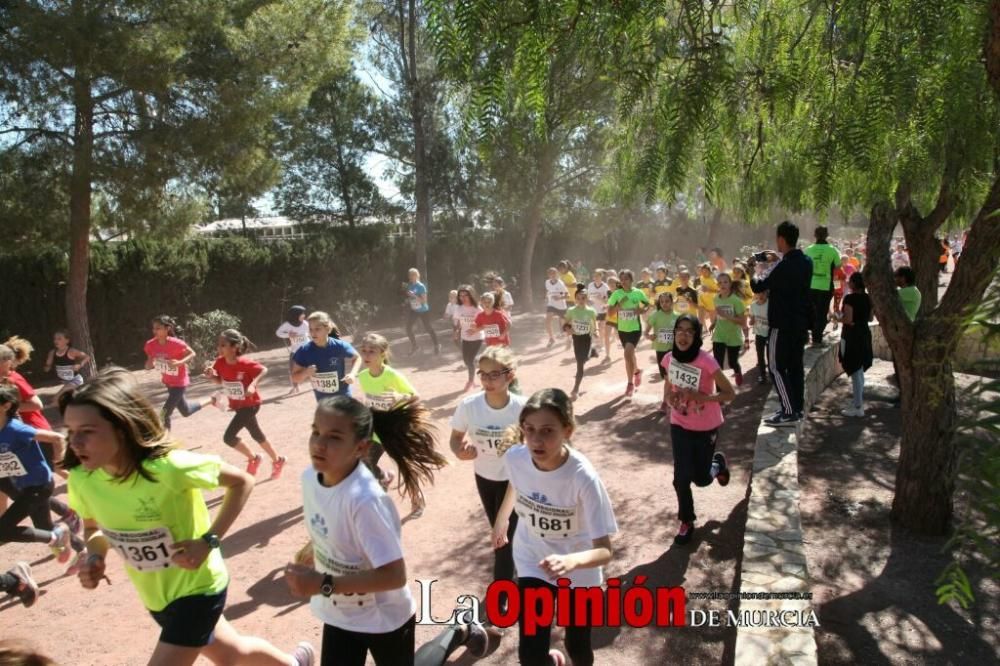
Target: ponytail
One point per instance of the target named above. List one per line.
(238, 340)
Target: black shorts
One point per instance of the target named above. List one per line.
(190, 621)
(602, 316)
(630, 337)
(556, 311)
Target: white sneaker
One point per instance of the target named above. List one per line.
(854, 411)
(304, 654)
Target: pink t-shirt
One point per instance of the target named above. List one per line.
(494, 322)
(698, 374)
(172, 349)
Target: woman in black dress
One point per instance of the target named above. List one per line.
(856, 340)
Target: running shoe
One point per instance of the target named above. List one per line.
(219, 401)
(594, 353)
(60, 543)
(254, 464)
(684, 533)
(629, 390)
(719, 459)
(304, 654)
(277, 466)
(854, 411)
(557, 657)
(637, 377)
(739, 379)
(783, 420)
(27, 588)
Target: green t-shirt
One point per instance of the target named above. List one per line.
(824, 256)
(727, 332)
(378, 390)
(910, 298)
(582, 320)
(662, 325)
(628, 304)
(142, 518)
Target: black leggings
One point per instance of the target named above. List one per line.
(491, 495)
(581, 350)
(177, 399)
(760, 345)
(660, 355)
(342, 647)
(693, 450)
(469, 350)
(425, 320)
(721, 350)
(32, 501)
(534, 650)
(245, 417)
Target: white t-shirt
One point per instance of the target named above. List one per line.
(555, 294)
(558, 512)
(598, 296)
(355, 526)
(760, 324)
(297, 335)
(508, 300)
(465, 317)
(484, 428)
(449, 310)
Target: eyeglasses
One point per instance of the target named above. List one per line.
(496, 374)
(684, 331)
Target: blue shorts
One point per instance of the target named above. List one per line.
(190, 621)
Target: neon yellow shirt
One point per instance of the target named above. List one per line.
(377, 389)
(137, 509)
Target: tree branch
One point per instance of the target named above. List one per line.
(896, 326)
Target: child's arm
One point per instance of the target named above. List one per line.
(306, 582)
(461, 447)
(80, 357)
(238, 484)
(598, 556)
(57, 441)
(300, 374)
(252, 387)
(503, 517)
(357, 367)
(49, 360)
(175, 362)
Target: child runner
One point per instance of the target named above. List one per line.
(564, 519)
(477, 427)
(323, 360)
(662, 281)
(581, 322)
(502, 300)
(383, 386)
(556, 294)
(661, 329)
(141, 497)
(611, 319)
(169, 355)
(707, 289)
(353, 568)
(416, 297)
(25, 477)
(66, 361)
(449, 310)
(695, 416)
(295, 331)
(492, 323)
(465, 330)
(685, 296)
(597, 296)
(13, 353)
(239, 377)
(17, 582)
(629, 303)
(856, 341)
(728, 320)
(761, 331)
(564, 268)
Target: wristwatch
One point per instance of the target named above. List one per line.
(326, 587)
(212, 539)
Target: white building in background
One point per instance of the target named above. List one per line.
(264, 228)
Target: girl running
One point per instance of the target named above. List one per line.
(728, 321)
(239, 377)
(140, 497)
(169, 355)
(477, 427)
(353, 567)
(383, 386)
(708, 287)
(465, 330)
(693, 376)
(661, 329)
(597, 295)
(492, 323)
(25, 477)
(564, 519)
(556, 294)
(685, 296)
(294, 331)
(662, 282)
(416, 298)
(611, 319)
(323, 360)
(502, 299)
(629, 303)
(66, 361)
(581, 322)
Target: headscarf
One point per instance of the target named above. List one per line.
(295, 314)
(692, 352)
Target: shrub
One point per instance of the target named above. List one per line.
(353, 316)
(202, 333)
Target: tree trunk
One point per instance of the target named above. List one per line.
(79, 222)
(533, 221)
(422, 192)
(345, 186)
(714, 227)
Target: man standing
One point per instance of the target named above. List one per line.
(788, 313)
(826, 259)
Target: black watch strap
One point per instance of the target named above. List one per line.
(212, 539)
(326, 587)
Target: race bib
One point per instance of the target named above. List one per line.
(163, 366)
(725, 310)
(627, 315)
(665, 336)
(581, 327)
(761, 322)
(10, 465)
(487, 440)
(143, 550)
(547, 521)
(681, 305)
(467, 322)
(234, 390)
(838, 284)
(329, 564)
(326, 382)
(295, 339)
(65, 372)
(381, 402)
(415, 303)
(492, 330)
(683, 375)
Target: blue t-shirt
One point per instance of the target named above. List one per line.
(416, 290)
(326, 359)
(21, 458)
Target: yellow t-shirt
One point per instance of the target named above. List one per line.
(142, 519)
(569, 280)
(706, 293)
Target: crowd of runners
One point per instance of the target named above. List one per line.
(132, 491)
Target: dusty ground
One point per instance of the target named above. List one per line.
(625, 439)
(874, 584)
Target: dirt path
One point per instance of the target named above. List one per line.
(625, 439)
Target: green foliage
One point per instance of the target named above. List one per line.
(202, 333)
(354, 315)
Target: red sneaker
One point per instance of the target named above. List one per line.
(637, 377)
(277, 466)
(254, 464)
(629, 390)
